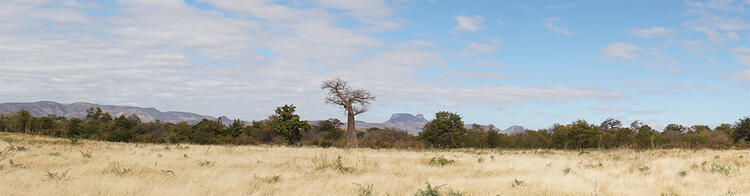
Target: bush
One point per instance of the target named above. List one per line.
(441, 161)
(325, 144)
(429, 190)
(364, 190)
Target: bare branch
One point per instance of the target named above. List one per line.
(355, 101)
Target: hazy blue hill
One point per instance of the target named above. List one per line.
(78, 110)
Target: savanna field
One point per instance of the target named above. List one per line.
(35, 165)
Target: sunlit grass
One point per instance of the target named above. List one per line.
(32, 165)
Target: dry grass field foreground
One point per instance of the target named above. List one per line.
(32, 165)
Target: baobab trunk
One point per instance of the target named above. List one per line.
(351, 131)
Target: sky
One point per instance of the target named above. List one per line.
(529, 63)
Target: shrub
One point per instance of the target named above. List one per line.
(566, 171)
(644, 170)
(364, 190)
(206, 163)
(441, 161)
(271, 179)
(721, 169)
(517, 183)
(683, 173)
(341, 168)
(325, 144)
(429, 190)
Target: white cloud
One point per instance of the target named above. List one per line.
(718, 17)
(732, 35)
(743, 75)
(475, 48)
(469, 75)
(620, 50)
(488, 64)
(173, 56)
(742, 59)
(651, 32)
(741, 50)
(630, 111)
(375, 13)
(743, 56)
(469, 23)
(551, 24)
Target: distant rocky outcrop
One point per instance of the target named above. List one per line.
(515, 129)
(413, 124)
(78, 110)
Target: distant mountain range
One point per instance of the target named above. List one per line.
(78, 110)
(404, 121)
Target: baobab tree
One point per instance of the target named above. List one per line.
(354, 101)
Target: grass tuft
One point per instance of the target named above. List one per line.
(86, 154)
(57, 176)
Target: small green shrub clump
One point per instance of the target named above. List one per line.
(341, 168)
(441, 161)
(645, 170)
(364, 190)
(721, 169)
(206, 163)
(429, 190)
(271, 179)
(566, 171)
(683, 173)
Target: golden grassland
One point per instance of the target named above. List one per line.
(33, 165)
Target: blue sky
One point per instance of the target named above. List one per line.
(531, 63)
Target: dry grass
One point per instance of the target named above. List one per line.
(49, 166)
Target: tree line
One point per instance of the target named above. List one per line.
(446, 130)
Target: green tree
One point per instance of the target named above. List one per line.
(329, 129)
(646, 137)
(476, 137)
(236, 128)
(583, 135)
(533, 139)
(610, 124)
(673, 131)
(23, 121)
(445, 131)
(742, 130)
(288, 125)
(725, 128)
(207, 132)
(75, 130)
(560, 136)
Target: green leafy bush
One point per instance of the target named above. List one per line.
(441, 161)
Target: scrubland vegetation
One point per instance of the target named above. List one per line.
(40, 165)
(446, 130)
